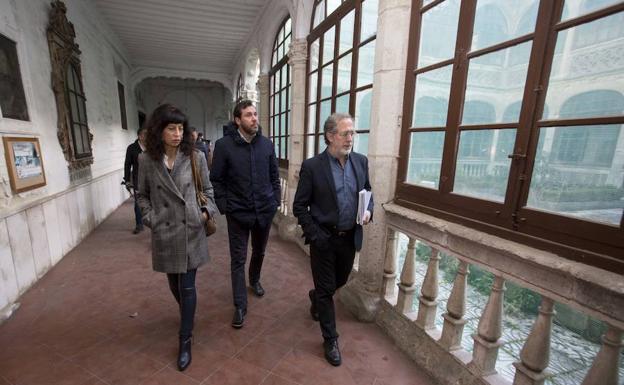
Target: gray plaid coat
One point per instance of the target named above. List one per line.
(169, 207)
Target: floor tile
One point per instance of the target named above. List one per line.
(237, 372)
(263, 354)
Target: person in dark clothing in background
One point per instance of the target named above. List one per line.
(131, 174)
(198, 142)
(247, 190)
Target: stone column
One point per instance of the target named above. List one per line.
(454, 321)
(428, 293)
(297, 59)
(604, 370)
(487, 339)
(535, 355)
(390, 265)
(363, 293)
(263, 87)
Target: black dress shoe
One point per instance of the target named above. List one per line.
(332, 353)
(137, 230)
(239, 318)
(257, 289)
(313, 311)
(184, 354)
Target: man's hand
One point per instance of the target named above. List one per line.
(366, 218)
(129, 186)
(205, 216)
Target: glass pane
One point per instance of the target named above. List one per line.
(366, 64)
(271, 103)
(309, 146)
(328, 45)
(69, 78)
(574, 10)
(314, 54)
(425, 158)
(342, 104)
(287, 27)
(284, 76)
(346, 32)
(490, 77)
(75, 115)
(82, 108)
(579, 172)
(85, 139)
(438, 33)
(360, 143)
(432, 97)
(326, 81)
(283, 148)
(312, 87)
(311, 118)
(363, 104)
(332, 5)
(283, 101)
(583, 78)
(491, 27)
(319, 13)
(282, 124)
(479, 172)
(77, 133)
(369, 19)
(325, 111)
(344, 74)
(321, 143)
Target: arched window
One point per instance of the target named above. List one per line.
(279, 102)
(77, 113)
(341, 58)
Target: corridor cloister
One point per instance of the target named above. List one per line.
(495, 143)
(102, 316)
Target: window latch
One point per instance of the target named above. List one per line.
(516, 156)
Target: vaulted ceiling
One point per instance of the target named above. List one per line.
(195, 35)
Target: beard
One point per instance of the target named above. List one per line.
(249, 129)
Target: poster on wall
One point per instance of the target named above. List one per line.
(24, 163)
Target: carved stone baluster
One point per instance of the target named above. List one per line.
(454, 321)
(428, 293)
(390, 263)
(487, 339)
(604, 370)
(534, 357)
(408, 278)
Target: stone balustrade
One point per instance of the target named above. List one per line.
(283, 207)
(439, 348)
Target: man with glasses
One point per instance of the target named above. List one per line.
(326, 205)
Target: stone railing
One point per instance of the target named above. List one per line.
(438, 348)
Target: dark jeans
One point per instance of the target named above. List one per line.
(183, 289)
(137, 213)
(331, 264)
(238, 234)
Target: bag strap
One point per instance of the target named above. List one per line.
(197, 180)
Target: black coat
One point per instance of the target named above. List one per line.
(131, 164)
(245, 178)
(316, 205)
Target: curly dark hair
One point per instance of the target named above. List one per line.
(159, 119)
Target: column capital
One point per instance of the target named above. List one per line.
(298, 53)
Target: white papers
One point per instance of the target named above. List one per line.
(364, 198)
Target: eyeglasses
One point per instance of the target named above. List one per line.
(344, 134)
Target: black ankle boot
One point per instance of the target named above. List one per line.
(184, 355)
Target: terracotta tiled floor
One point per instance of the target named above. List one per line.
(102, 316)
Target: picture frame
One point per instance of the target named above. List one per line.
(24, 163)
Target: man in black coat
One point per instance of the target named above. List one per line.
(131, 173)
(246, 184)
(326, 205)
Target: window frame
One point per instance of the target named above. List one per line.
(275, 107)
(333, 20)
(122, 105)
(581, 240)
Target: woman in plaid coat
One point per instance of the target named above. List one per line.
(169, 208)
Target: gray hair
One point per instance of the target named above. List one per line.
(331, 124)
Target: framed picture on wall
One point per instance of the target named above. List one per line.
(24, 163)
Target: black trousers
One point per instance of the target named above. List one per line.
(331, 264)
(183, 289)
(137, 213)
(238, 234)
